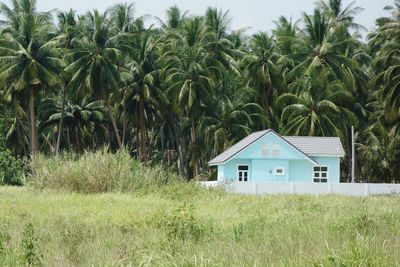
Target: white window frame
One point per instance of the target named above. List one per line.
(279, 168)
(320, 174)
(277, 149)
(248, 172)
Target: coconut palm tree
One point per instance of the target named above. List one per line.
(29, 61)
(321, 50)
(188, 76)
(262, 73)
(85, 123)
(318, 110)
(141, 82)
(93, 70)
(175, 18)
(230, 121)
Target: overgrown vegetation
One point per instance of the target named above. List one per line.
(196, 227)
(97, 172)
(183, 91)
(11, 168)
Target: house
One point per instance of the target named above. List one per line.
(266, 156)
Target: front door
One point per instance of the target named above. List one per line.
(243, 173)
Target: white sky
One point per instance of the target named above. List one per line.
(257, 14)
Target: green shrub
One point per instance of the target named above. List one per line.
(182, 225)
(31, 253)
(3, 239)
(96, 172)
(11, 169)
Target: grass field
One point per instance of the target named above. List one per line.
(183, 225)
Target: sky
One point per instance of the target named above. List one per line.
(256, 14)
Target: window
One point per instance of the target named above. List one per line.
(243, 173)
(320, 174)
(275, 150)
(265, 150)
(279, 171)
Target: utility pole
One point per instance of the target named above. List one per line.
(353, 157)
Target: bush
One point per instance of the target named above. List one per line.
(183, 225)
(96, 172)
(11, 169)
(31, 254)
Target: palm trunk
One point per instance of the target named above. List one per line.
(114, 123)
(124, 126)
(349, 155)
(195, 160)
(68, 139)
(61, 121)
(34, 136)
(182, 162)
(143, 145)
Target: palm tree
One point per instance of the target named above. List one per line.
(84, 122)
(287, 44)
(262, 73)
(122, 17)
(386, 49)
(316, 112)
(230, 121)
(322, 51)
(142, 80)
(342, 19)
(93, 70)
(28, 60)
(188, 77)
(68, 30)
(175, 18)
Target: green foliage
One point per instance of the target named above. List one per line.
(11, 168)
(96, 172)
(30, 246)
(183, 225)
(3, 240)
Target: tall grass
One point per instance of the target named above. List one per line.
(96, 172)
(200, 228)
(145, 216)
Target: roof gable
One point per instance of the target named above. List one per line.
(251, 147)
(236, 148)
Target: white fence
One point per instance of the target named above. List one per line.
(272, 188)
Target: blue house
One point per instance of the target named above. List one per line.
(266, 156)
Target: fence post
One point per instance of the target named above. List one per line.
(329, 189)
(366, 190)
(292, 190)
(255, 188)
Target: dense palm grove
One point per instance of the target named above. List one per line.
(182, 92)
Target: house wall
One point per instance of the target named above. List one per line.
(301, 171)
(295, 170)
(229, 170)
(333, 164)
(220, 173)
(264, 170)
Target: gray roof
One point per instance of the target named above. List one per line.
(309, 146)
(317, 146)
